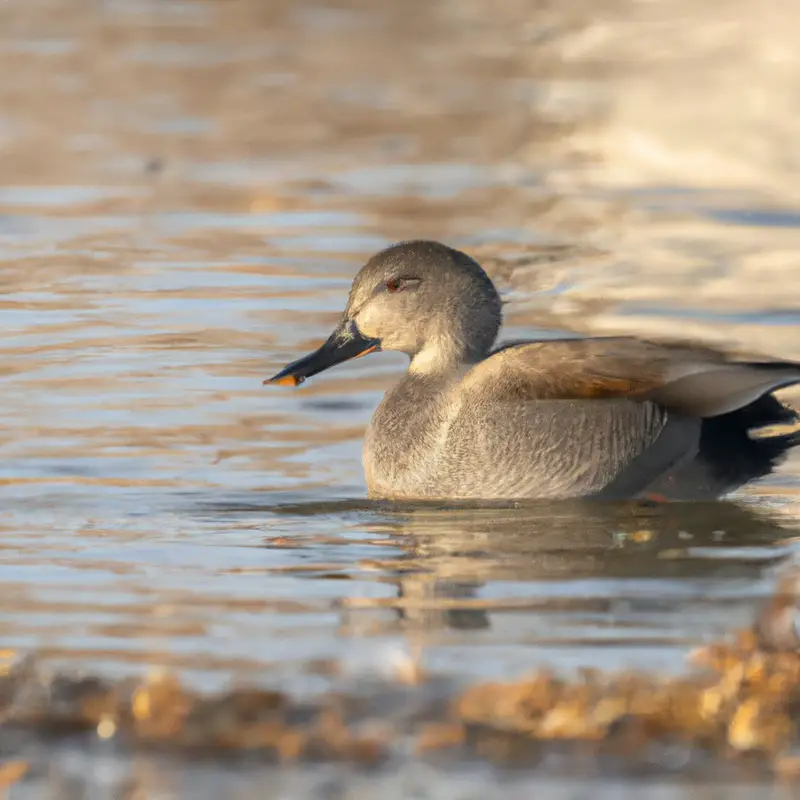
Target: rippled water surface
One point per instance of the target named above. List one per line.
(187, 190)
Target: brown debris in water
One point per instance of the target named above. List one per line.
(740, 699)
(161, 711)
(740, 696)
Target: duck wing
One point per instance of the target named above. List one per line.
(619, 417)
(694, 382)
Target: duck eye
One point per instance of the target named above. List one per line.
(398, 284)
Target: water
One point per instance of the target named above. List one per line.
(188, 189)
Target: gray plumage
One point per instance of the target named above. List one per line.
(608, 417)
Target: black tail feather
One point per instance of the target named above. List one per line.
(734, 455)
(767, 410)
(730, 455)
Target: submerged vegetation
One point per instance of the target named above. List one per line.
(738, 701)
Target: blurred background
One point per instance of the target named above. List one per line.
(187, 188)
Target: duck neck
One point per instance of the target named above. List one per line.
(443, 357)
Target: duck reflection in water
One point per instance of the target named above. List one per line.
(459, 566)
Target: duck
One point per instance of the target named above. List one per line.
(614, 417)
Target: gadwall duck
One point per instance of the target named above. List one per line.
(610, 417)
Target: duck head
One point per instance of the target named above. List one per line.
(422, 298)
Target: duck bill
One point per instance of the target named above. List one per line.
(345, 343)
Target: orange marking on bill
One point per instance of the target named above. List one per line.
(367, 351)
(287, 380)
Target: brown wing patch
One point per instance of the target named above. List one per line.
(696, 382)
(608, 387)
(571, 369)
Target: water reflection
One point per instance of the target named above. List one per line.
(631, 581)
